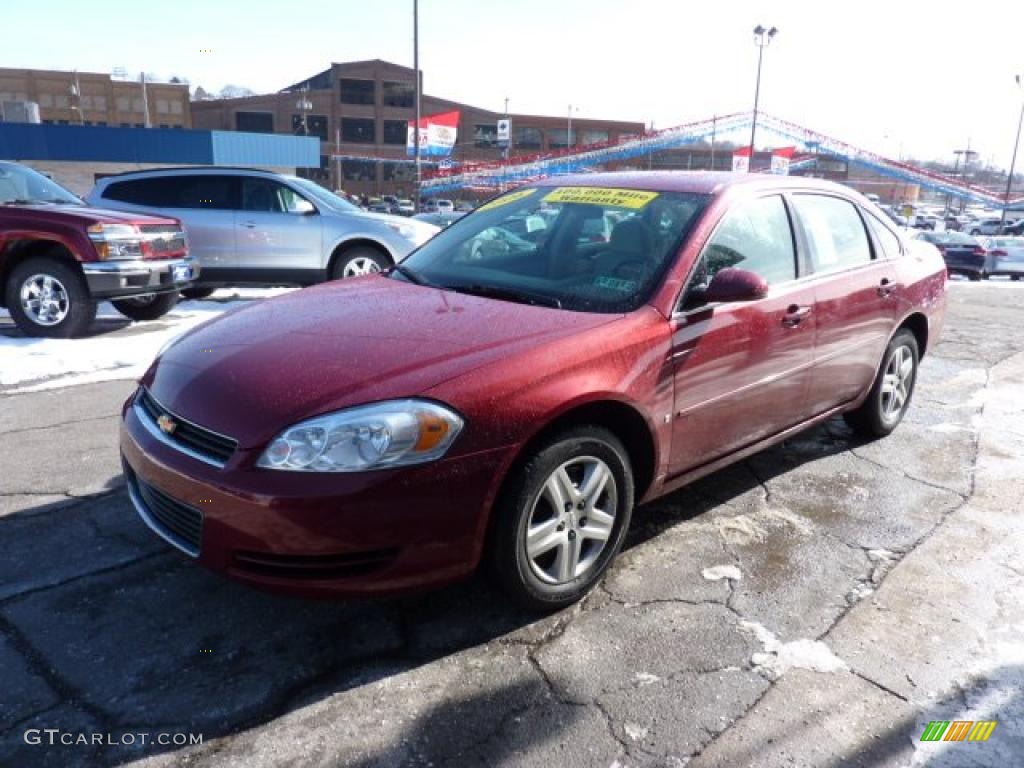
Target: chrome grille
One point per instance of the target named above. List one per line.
(199, 442)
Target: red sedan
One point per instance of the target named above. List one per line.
(511, 390)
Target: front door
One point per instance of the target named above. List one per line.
(742, 370)
(278, 234)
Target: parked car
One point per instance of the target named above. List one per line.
(985, 227)
(527, 400)
(1007, 256)
(59, 257)
(927, 221)
(464, 206)
(963, 254)
(250, 227)
(438, 206)
(404, 207)
(439, 218)
(1014, 228)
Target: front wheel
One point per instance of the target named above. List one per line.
(890, 394)
(201, 292)
(48, 297)
(148, 307)
(356, 262)
(562, 518)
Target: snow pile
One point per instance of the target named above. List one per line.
(38, 364)
(778, 657)
(719, 572)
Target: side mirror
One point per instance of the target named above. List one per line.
(735, 284)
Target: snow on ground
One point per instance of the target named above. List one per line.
(719, 572)
(28, 365)
(779, 657)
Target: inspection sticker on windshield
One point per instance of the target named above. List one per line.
(620, 198)
(615, 284)
(511, 197)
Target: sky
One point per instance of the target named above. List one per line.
(900, 78)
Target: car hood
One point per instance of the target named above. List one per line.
(252, 372)
(89, 215)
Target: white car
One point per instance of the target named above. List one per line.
(439, 206)
(985, 227)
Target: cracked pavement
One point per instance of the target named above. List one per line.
(816, 604)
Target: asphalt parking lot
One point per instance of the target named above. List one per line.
(817, 604)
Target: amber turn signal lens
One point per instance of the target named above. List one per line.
(432, 431)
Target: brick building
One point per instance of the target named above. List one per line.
(92, 98)
(360, 111)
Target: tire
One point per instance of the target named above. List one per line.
(974, 276)
(1015, 277)
(359, 261)
(148, 307)
(201, 292)
(880, 414)
(67, 309)
(975, 232)
(580, 547)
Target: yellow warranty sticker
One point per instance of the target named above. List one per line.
(619, 198)
(511, 197)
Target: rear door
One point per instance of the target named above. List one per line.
(204, 203)
(856, 294)
(279, 233)
(742, 370)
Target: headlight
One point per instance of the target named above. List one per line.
(116, 241)
(394, 433)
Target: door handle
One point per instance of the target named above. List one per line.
(795, 315)
(886, 288)
(248, 224)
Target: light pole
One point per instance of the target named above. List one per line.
(1013, 161)
(304, 105)
(416, 74)
(569, 143)
(762, 39)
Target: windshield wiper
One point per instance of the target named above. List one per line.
(23, 202)
(412, 275)
(507, 294)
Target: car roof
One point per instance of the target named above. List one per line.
(202, 169)
(701, 182)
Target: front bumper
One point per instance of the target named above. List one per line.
(315, 535)
(116, 279)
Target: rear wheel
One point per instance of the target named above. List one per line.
(974, 276)
(148, 307)
(356, 262)
(197, 293)
(562, 518)
(891, 392)
(49, 297)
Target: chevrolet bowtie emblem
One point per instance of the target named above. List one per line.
(167, 424)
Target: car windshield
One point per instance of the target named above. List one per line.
(587, 249)
(23, 186)
(321, 195)
(950, 238)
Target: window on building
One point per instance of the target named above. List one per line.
(86, 101)
(529, 138)
(125, 125)
(835, 231)
(45, 99)
(316, 125)
(355, 91)
(398, 95)
(485, 135)
(401, 172)
(101, 122)
(396, 131)
(162, 125)
(254, 122)
(99, 103)
(61, 101)
(124, 104)
(47, 122)
(557, 138)
(138, 105)
(359, 170)
(162, 107)
(360, 130)
(176, 108)
(594, 136)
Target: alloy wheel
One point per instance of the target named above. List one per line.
(896, 382)
(44, 299)
(360, 265)
(571, 520)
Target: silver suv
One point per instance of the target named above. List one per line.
(250, 227)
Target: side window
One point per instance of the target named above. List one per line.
(291, 201)
(206, 191)
(889, 241)
(156, 192)
(260, 195)
(754, 235)
(836, 233)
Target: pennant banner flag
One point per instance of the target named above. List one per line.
(780, 160)
(436, 135)
(741, 160)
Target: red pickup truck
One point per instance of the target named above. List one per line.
(59, 257)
